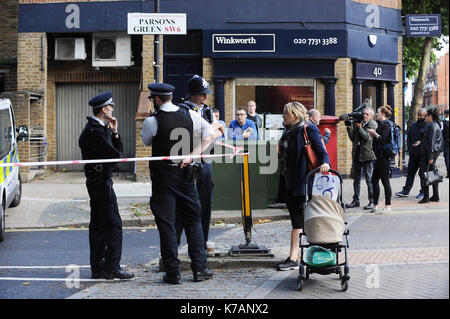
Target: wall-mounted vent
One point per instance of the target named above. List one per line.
(70, 49)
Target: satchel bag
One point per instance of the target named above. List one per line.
(313, 161)
(433, 176)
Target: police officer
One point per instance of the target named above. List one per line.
(174, 193)
(198, 90)
(100, 140)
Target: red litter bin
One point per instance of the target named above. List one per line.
(330, 122)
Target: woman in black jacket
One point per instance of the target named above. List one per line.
(293, 171)
(382, 136)
(430, 148)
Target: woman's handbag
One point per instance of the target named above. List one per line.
(433, 176)
(313, 161)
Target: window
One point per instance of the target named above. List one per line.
(6, 132)
(271, 95)
(369, 95)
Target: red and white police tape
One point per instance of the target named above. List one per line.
(236, 151)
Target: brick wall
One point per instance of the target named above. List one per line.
(10, 79)
(443, 81)
(344, 104)
(8, 28)
(32, 77)
(145, 106)
(31, 74)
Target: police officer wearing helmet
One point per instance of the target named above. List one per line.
(100, 140)
(174, 194)
(198, 89)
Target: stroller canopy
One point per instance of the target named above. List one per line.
(324, 221)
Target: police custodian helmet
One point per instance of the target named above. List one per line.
(198, 85)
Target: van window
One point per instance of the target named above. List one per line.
(5, 132)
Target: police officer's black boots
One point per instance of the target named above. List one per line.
(174, 280)
(119, 274)
(203, 275)
(98, 275)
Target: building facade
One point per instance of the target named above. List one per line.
(333, 56)
(436, 86)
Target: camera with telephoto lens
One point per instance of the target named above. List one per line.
(354, 117)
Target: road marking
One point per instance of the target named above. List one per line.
(54, 200)
(48, 267)
(269, 285)
(61, 279)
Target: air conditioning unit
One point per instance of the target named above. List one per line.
(111, 50)
(70, 49)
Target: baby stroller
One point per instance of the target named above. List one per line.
(324, 228)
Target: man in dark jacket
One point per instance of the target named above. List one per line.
(100, 140)
(445, 136)
(363, 156)
(414, 137)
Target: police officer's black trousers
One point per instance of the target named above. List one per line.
(175, 196)
(105, 227)
(205, 193)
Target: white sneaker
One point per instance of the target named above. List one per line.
(377, 210)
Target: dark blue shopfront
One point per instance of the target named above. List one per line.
(248, 38)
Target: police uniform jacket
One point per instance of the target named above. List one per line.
(96, 142)
(150, 126)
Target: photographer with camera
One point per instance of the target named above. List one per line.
(362, 152)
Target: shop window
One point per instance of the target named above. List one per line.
(271, 95)
(5, 132)
(369, 94)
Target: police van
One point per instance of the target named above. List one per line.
(10, 181)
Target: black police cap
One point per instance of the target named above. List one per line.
(160, 89)
(101, 100)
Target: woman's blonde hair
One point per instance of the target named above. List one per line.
(297, 110)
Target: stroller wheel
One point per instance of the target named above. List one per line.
(339, 271)
(300, 282)
(344, 284)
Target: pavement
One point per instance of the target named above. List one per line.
(46, 203)
(60, 201)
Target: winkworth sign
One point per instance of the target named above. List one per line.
(423, 25)
(279, 43)
(243, 42)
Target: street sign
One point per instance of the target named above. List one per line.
(157, 23)
(423, 25)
